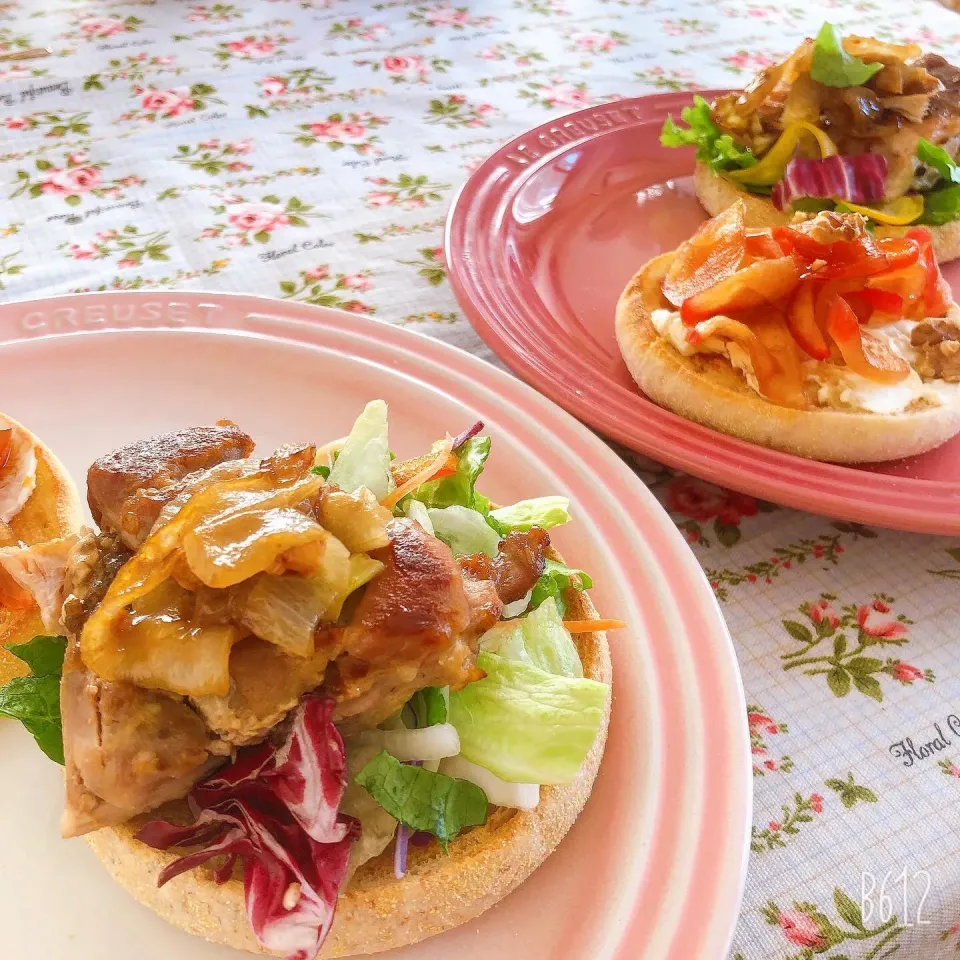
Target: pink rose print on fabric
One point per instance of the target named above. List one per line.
(852, 633)
(250, 48)
(167, 104)
(761, 727)
(747, 61)
(407, 192)
(685, 26)
(296, 90)
(99, 28)
(694, 503)
(778, 832)
(75, 179)
(408, 68)
(823, 550)
(213, 157)
(875, 621)
(823, 612)
(521, 56)
(808, 927)
(273, 86)
(356, 29)
(801, 930)
(258, 216)
(325, 289)
(245, 221)
(213, 13)
(557, 92)
(431, 266)
(598, 42)
(442, 15)
(661, 78)
(455, 111)
(338, 131)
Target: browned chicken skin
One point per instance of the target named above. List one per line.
(518, 565)
(127, 488)
(415, 627)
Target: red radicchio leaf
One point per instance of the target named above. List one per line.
(860, 178)
(461, 438)
(276, 809)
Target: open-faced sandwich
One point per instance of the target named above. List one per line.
(852, 124)
(317, 681)
(39, 505)
(814, 338)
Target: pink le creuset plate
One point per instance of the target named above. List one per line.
(654, 868)
(542, 239)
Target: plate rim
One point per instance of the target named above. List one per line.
(739, 791)
(834, 490)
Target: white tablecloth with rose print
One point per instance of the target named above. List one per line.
(308, 149)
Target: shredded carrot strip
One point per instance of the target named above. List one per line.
(591, 626)
(421, 476)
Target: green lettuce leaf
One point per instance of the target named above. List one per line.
(938, 158)
(321, 470)
(35, 700)
(554, 581)
(458, 490)
(364, 460)
(423, 800)
(718, 150)
(464, 530)
(427, 707)
(941, 206)
(527, 725)
(833, 66)
(539, 639)
(545, 512)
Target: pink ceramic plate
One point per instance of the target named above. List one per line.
(540, 242)
(654, 868)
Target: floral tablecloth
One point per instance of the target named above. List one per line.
(308, 149)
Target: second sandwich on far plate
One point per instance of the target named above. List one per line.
(816, 338)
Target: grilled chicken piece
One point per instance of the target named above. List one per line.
(127, 750)
(265, 685)
(518, 565)
(127, 488)
(416, 626)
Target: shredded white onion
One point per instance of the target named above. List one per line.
(521, 796)
(427, 743)
(518, 606)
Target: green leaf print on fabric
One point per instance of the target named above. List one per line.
(807, 927)
(950, 573)
(849, 792)
(846, 667)
(431, 267)
(406, 192)
(454, 110)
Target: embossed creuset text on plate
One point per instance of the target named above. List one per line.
(570, 131)
(107, 315)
